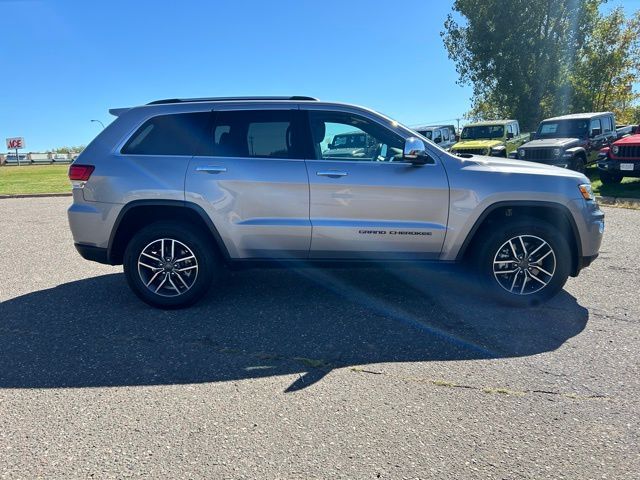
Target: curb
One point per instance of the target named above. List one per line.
(35, 195)
(619, 202)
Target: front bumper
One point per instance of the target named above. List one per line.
(584, 262)
(562, 162)
(613, 166)
(590, 225)
(485, 152)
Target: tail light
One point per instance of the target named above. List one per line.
(80, 173)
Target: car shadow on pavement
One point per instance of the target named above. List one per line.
(258, 323)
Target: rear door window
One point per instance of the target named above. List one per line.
(257, 134)
(175, 134)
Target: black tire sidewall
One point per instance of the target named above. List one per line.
(535, 227)
(191, 237)
(610, 179)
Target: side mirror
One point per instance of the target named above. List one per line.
(457, 137)
(330, 146)
(437, 140)
(415, 151)
(509, 135)
(595, 132)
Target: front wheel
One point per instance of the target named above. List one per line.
(170, 265)
(525, 263)
(579, 165)
(609, 178)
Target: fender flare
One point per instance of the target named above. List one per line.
(166, 203)
(576, 151)
(521, 203)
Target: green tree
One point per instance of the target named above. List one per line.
(607, 67)
(76, 149)
(518, 54)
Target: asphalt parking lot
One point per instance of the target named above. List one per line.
(312, 374)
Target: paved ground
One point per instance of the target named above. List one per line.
(317, 374)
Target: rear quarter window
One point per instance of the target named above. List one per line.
(175, 134)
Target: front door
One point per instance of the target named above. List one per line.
(366, 202)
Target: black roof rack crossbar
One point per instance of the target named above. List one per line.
(228, 99)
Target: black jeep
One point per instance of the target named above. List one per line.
(571, 141)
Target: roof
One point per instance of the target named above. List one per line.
(490, 122)
(230, 99)
(168, 101)
(578, 116)
(430, 127)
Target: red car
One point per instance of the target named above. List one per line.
(621, 159)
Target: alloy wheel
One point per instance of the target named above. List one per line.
(167, 267)
(524, 264)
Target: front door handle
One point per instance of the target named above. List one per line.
(331, 173)
(211, 169)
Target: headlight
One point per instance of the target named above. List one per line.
(615, 149)
(585, 190)
(521, 152)
(556, 152)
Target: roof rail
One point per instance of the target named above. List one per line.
(228, 99)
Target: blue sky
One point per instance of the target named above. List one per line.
(67, 62)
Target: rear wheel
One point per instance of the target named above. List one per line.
(609, 178)
(525, 263)
(170, 265)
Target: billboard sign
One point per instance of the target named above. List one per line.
(15, 143)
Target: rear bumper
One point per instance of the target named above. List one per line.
(95, 254)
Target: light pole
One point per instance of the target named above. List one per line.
(99, 123)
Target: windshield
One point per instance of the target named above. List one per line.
(482, 132)
(349, 141)
(563, 128)
(426, 133)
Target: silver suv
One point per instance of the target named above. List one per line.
(177, 190)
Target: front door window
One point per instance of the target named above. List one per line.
(349, 137)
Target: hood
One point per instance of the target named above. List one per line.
(550, 143)
(478, 143)
(344, 152)
(630, 140)
(512, 166)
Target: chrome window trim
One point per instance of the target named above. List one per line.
(398, 129)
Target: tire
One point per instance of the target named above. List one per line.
(508, 287)
(579, 164)
(172, 284)
(609, 179)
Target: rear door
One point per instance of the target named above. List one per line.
(252, 181)
(372, 204)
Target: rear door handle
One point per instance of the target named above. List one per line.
(211, 169)
(331, 173)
